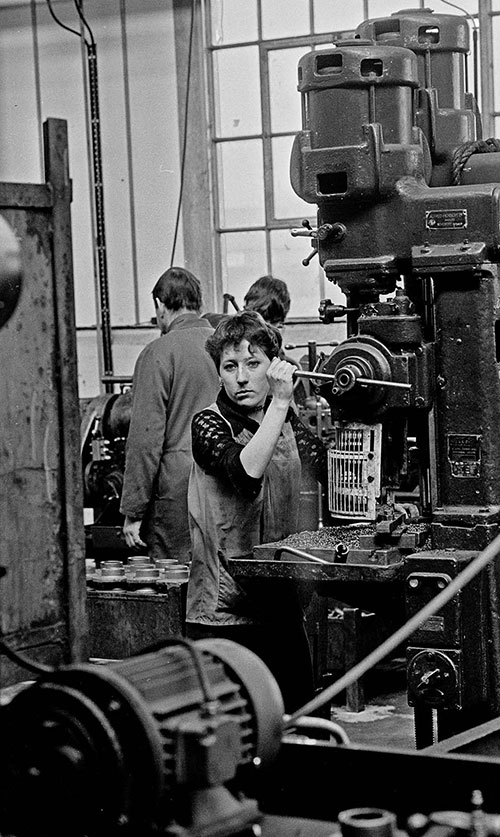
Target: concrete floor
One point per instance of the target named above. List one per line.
(386, 720)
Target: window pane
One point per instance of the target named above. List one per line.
(243, 261)
(495, 28)
(241, 183)
(306, 284)
(286, 203)
(237, 92)
(336, 17)
(444, 9)
(233, 22)
(20, 159)
(285, 100)
(285, 18)
(383, 8)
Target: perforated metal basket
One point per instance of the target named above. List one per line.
(354, 470)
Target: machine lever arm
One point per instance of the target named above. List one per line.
(336, 231)
(389, 384)
(322, 376)
(300, 554)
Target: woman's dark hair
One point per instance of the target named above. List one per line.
(245, 325)
(270, 297)
(178, 288)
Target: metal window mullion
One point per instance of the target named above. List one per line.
(486, 66)
(264, 83)
(213, 161)
(130, 165)
(267, 151)
(215, 254)
(38, 89)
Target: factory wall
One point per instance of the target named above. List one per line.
(142, 55)
(43, 69)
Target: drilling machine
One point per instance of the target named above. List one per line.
(408, 227)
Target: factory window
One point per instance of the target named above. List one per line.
(254, 47)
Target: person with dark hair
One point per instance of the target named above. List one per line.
(270, 297)
(244, 490)
(173, 379)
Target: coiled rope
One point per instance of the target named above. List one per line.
(463, 152)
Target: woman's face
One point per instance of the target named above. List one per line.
(243, 374)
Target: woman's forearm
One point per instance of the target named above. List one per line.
(258, 452)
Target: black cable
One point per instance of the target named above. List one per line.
(98, 186)
(60, 23)
(184, 134)
(79, 9)
(460, 9)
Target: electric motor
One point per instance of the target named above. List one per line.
(139, 746)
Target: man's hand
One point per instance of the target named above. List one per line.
(132, 530)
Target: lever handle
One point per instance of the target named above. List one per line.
(300, 554)
(323, 376)
(308, 259)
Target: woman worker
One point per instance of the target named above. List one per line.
(244, 490)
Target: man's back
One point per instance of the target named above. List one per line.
(173, 379)
(175, 374)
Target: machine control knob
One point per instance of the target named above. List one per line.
(433, 679)
(336, 231)
(329, 311)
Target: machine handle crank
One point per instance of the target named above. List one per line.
(300, 554)
(337, 231)
(322, 376)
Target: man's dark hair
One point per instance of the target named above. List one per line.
(245, 325)
(178, 288)
(270, 297)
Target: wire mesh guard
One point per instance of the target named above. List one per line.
(354, 470)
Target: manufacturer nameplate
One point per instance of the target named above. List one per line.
(446, 219)
(433, 623)
(464, 454)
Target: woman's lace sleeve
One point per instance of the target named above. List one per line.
(216, 451)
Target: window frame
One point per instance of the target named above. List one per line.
(484, 16)
(265, 136)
